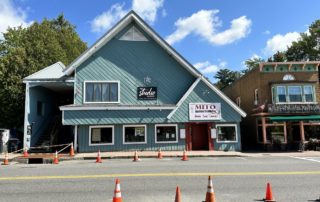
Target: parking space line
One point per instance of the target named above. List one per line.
(307, 158)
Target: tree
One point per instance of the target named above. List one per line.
(278, 57)
(24, 51)
(226, 77)
(252, 63)
(308, 47)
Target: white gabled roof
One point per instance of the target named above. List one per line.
(130, 17)
(54, 71)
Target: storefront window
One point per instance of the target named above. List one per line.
(101, 135)
(101, 91)
(166, 133)
(134, 134)
(227, 133)
(275, 133)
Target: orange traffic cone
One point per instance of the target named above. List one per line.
(25, 152)
(56, 158)
(178, 195)
(210, 193)
(99, 160)
(160, 154)
(117, 192)
(136, 157)
(6, 159)
(269, 195)
(71, 150)
(184, 157)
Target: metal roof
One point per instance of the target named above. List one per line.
(52, 72)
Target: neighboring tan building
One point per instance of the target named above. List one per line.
(281, 100)
(129, 91)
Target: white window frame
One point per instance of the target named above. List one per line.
(234, 125)
(313, 94)
(127, 126)
(101, 81)
(285, 94)
(155, 133)
(301, 94)
(102, 126)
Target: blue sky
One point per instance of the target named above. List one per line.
(210, 34)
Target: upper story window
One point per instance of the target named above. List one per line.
(288, 77)
(101, 92)
(293, 94)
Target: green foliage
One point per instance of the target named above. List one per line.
(308, 47)
(226, 77)
(24, 51)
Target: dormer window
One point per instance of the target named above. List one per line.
(101, 92)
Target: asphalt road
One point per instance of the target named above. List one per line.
(235, 179)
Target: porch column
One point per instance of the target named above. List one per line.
(285, 131)
(264, 130)
(26, 136)
(75, 142)
(301, 131)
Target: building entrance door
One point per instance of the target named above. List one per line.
(199, 136)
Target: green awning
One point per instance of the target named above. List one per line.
(294, 118)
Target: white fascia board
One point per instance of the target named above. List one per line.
(166, 47)
(66, 108)
(224, 97)
(115, 31)
(95, 47)
(49, 81)
(184, 97)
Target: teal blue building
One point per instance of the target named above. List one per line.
(129, 91)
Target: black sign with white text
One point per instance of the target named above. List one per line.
(147, 93)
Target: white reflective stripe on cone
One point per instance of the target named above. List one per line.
(118, 194)
(210, 189)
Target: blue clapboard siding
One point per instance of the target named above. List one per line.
(91, 117)
(130, 62)
(200, 94)
(83, 140)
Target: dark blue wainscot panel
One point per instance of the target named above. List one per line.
(151, 145)
(229, 146)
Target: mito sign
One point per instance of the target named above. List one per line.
(204, 111)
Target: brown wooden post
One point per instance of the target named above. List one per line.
(302, 137)
(188, 137)
(264, 130)
(285, 132)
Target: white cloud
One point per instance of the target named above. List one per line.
(11, 16)
(205, 23)
(108, 18)
(206, 67)
(147, 9)
(281, 42)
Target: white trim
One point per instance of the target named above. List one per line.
(127, 126)
(224, 97)
(102, 126)
(131, 17)
(160, 142)
(184, 97)
(49, 81)
(75, 87)
(62, 117)
(221, 125)
(70, 108)
(26, 113)
(99, 81)
(95, 47)
(75, 144)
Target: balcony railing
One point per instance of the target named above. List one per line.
(294, 108)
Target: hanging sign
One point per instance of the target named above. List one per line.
(147, 93)
(204, 111)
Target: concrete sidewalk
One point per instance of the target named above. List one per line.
(153, 154)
